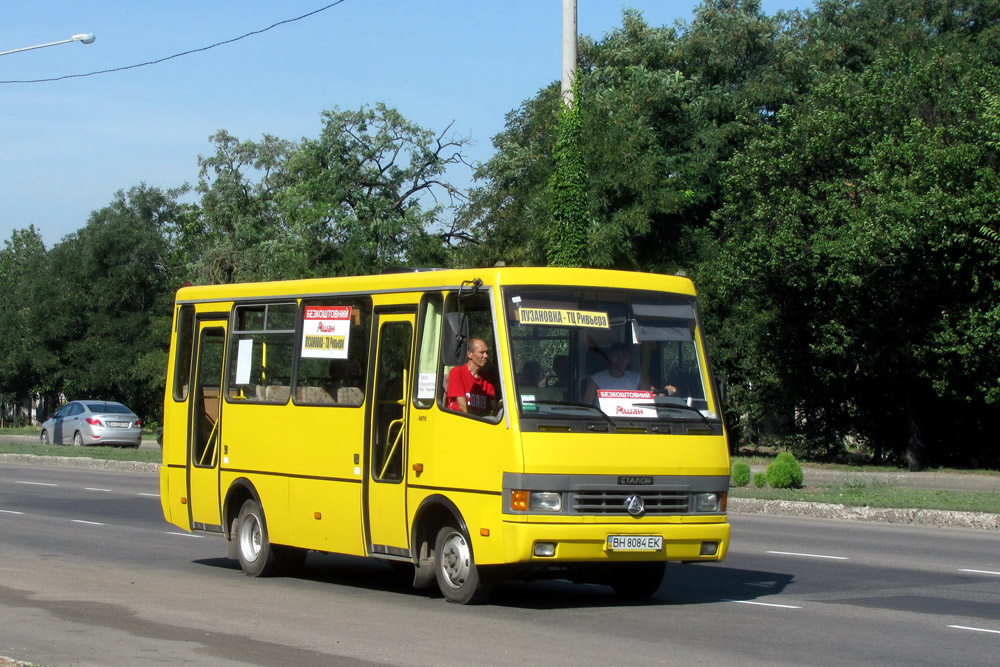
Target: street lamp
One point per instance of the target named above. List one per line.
(83, 38)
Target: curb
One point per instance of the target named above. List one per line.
(935, 518)
(80, 462)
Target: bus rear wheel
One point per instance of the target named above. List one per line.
(256, 555)
(455, 568)
(637, 581)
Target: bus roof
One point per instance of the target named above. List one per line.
(439, 279)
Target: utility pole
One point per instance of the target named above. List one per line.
(568, 51)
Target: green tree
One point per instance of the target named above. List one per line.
(110, 289)
(371, 193)
(237, 233)
(852, 296)
(567, 245)
(658, 123)
(26, 365)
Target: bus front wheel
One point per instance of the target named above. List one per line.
(455, 568)
(257, 557)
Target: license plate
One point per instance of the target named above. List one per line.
(118, 424)
(635, 542)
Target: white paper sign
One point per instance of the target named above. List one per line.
(326, 331)
(244, 358)
(623, 403)
(425, 385)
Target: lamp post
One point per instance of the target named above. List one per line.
(83, 38)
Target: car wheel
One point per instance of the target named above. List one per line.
(455, 568)
(257, 557)
(77, 439)
(45, 437)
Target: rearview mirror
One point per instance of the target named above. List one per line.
(454, 339)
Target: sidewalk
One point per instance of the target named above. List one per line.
(943, 481)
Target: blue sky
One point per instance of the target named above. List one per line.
(68, 146)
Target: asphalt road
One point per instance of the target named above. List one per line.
(90, 574)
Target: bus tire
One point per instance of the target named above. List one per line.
(455, 568)
(637, 581)
(256, 555)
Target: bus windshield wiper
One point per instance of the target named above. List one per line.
(590, 408)
(675, 406)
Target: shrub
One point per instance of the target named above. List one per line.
(760, 480)
(741, 474)
(785, 472)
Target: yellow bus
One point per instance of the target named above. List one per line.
(314, 415)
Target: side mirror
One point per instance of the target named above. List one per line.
(454, 339)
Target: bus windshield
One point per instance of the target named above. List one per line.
(612, 354)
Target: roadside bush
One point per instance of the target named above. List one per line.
(785, 472)
(760, 480)
(740, 475)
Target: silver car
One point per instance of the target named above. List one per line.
(93, 423)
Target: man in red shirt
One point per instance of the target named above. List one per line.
(468, 390)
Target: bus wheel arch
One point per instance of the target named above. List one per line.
(434, 512)
(444, 554)
(240, 491)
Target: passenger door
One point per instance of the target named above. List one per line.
(206, 425)
(388, 415)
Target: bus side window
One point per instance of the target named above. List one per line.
(182, 353)
(477, 309)
(333, 351)
(260, 361)
(428, 348)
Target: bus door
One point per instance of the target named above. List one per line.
(388, 413)
(205, 424)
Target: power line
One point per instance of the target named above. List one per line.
(178, 55)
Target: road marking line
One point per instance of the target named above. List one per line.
(966, 627)
(10, 512)
(185, 535)
(150, 495)
(90, 488)
(36, 483)
(89, 523)
(792, 553)
(979, 571)
(765, 604)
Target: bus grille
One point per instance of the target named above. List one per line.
(614, 502)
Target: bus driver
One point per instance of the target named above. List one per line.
(468, 390)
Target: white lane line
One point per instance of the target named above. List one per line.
(792, 553)
(966, 627)
(90, 488)
(89, 523)
(962, 569)
(185, 535)
(10, 512)
(765, 604)
(150, 495)
(36, 483)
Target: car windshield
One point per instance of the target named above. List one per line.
(616, 354)
(109, 408)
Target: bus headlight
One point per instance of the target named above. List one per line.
(545, 501)
(707, 502)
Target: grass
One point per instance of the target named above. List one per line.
(882, 496)
(105, 453)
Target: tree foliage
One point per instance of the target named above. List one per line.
(828, 178)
